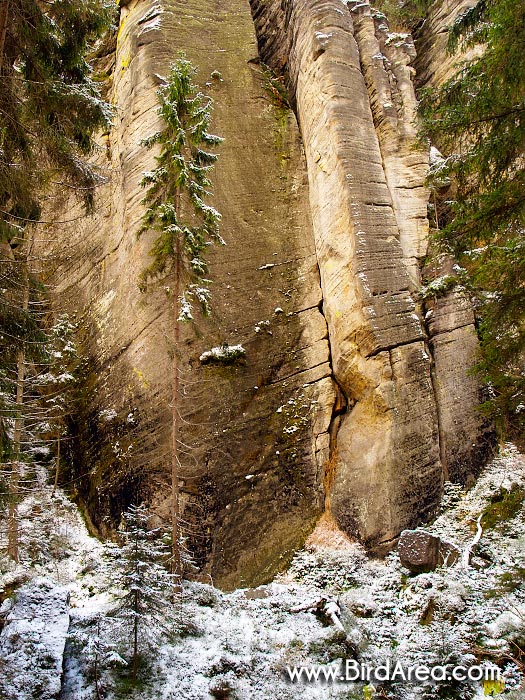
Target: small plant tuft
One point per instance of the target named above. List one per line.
(504, 505)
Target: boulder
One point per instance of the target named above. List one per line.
(418, 551)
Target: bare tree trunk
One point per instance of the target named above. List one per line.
(97, 688)
(4, 20)
(57, 464)
(436, 217)
(12, 528)
(467, 553)
(135, 638)
(175, 546)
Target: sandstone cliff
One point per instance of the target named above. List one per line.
(348, 399)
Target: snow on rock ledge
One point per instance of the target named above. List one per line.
(225, 354)
(32, 642)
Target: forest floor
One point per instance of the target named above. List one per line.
(334, 605)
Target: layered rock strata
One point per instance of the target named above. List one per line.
(352, 83)
(434, 64)
(466, 437)
(388, 469)
(338, 402)
(251, 484)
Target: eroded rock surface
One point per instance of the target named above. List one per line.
(434, 64)
(466, 436)
(251, 482)
(365, 176)
(339, 401)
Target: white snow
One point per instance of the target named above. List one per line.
(33, 640)
(244, 640)
(184, 309)
(223, 353)
(108, 414)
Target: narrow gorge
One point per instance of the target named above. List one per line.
(355, 398)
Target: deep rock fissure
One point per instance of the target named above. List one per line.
(339, 408)
(440, 434)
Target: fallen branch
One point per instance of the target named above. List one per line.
(324, 607)
(468, 550)
(499, 656)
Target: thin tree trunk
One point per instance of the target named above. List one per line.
(57, 464)
(175, 547)
(97, 689)
(135, 638)
(176, 564)
(12, 535)
(436, 211)
(4, 20)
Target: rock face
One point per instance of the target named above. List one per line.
(466, 438)
(355, 102)
(32, 642)
(340, 402)
(251, 482)
(434, 64)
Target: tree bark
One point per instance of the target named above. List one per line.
(175, 546)
(135, 638)
(4, 20)
(12, 528)
(97, 689)
(57, 464)
(436, 212)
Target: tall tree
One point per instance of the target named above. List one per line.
(477, 118)
(34, 378)
(186, 225)
(49, 110)
(22, 343)
(18, 422)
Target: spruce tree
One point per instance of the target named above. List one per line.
(138, 571)
(22, 343)
(477, 119)
(186, 225)
(50, 108)
(49, 105)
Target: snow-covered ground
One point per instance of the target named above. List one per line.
(238, 646)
